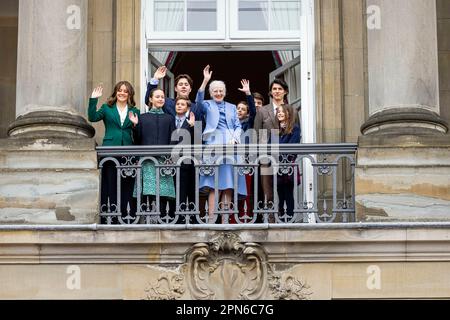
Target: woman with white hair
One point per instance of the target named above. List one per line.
(222, 127)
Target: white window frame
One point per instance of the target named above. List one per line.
(235, 33)
(219, 34)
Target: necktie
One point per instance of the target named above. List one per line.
(178, 123)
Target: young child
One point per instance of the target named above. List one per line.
(289, 133)
(246, 111)
(185, 134)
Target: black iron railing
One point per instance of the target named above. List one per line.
(320, 177)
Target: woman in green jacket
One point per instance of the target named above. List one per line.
(118, 132)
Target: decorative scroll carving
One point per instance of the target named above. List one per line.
(227, 269)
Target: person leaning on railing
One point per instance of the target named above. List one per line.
(265, 122)
(246, 112)
(118, 132)
(152, 129)
(289, 133)
(222, 128)
(184, 135)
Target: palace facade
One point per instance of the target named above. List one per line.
(370, 80)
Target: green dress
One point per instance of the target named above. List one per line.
(148, 174)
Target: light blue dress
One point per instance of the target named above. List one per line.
(223, 135)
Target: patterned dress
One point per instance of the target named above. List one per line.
(152, 123)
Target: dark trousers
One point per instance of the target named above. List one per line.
(286, 197)
(187, 191)
(109, 193)
(187, 184)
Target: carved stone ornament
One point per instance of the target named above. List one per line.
(169, 286)
(227, 269)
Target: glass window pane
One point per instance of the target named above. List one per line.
(253, 15)
(169, 15)
(285, 15)
(202, 15)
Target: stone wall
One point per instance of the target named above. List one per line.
(113, 48)
(48, 181)
(327, 262)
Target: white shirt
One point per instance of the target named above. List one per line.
(275, 108)
(123, 114)
(179, 121)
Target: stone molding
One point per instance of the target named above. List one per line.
(51, 123)
(351, 243)
(405, 120)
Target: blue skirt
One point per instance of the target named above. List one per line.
(226, 180)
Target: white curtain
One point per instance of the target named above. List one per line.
(285, 15)
(168, 15)
(265, 10)
(161, 56)
(292, 75)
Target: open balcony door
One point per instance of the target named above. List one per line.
(308, 98)
(299, 74)
(150, 61)
(168, 83)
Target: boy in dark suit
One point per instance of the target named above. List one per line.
(184, 134)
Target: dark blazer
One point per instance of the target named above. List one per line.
(250, 121)
(294, 137)
(169, 105)
(154, 129)
(115, 133)
(187, 170)
(184, 131)
(265, 120)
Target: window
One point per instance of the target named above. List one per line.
(185, 19)
(224, 20)
(265, 19)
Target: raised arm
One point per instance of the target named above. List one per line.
(250, 101)
(93, 114)
(198, 109)
(207, 74)
(153, 84)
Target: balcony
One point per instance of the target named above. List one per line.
(321, 178)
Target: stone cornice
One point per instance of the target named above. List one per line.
(304, 244)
